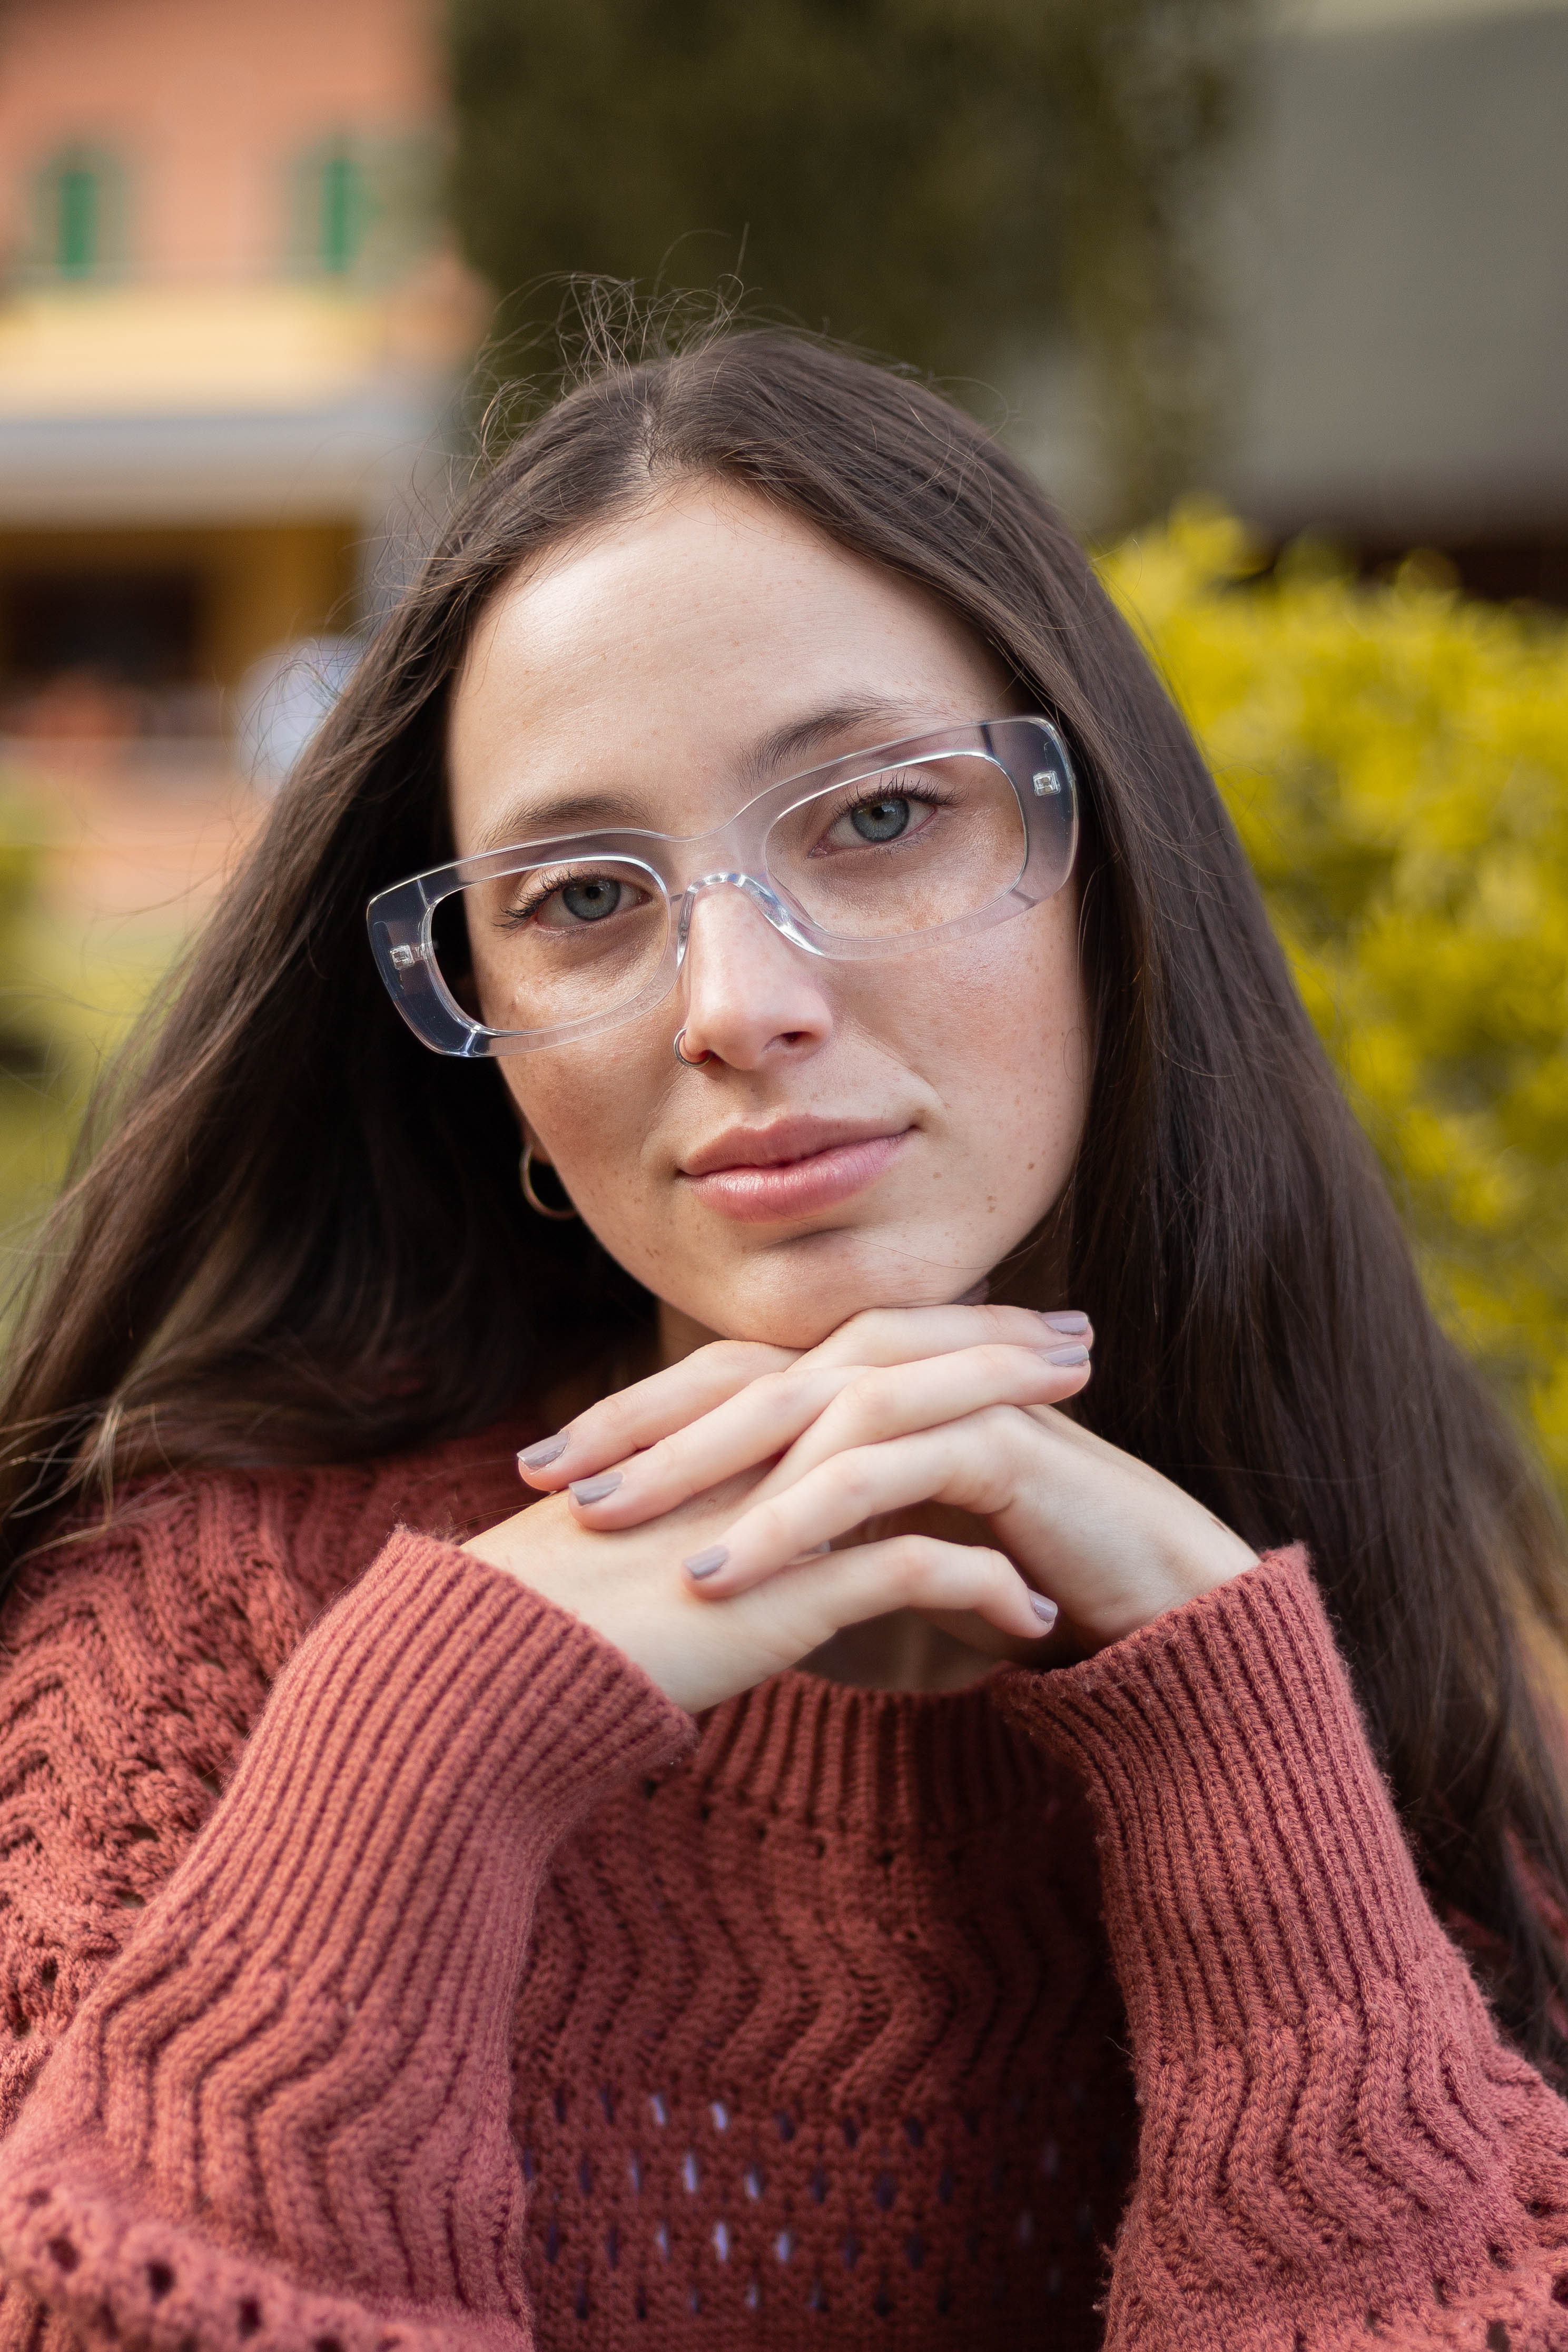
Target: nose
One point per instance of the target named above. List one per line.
(749, 995)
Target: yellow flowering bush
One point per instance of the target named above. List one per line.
(1396, 758)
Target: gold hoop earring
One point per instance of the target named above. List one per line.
(526, 1174)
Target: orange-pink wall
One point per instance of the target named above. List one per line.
(207, 103)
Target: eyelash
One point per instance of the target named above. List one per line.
(925, 793)
(543, 886)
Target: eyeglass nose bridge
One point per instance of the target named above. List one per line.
(757, 894)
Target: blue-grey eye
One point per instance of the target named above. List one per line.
(589, 900)
(880, 820)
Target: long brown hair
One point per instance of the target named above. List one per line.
(299, 1236)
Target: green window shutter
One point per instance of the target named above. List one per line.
(341, 210)
(78, 221)
(78, 216)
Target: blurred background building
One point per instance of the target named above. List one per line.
(1386, 242)
(1311, 257)
(232, 327)
(228, 340)
(1399, 312)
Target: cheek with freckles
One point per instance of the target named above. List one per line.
(1005, 1034)
(983, 1046)
(593, 1109)
(600, 1112)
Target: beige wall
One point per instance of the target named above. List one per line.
(205, 104)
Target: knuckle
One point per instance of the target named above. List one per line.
(666, 1459)
(917, 1564)
(914, 1556)
(860, 1403)
(610, 1432)
(796, 1388)
(861, 1331)
(764, 1522)
(930, 1570)
(854, 1482)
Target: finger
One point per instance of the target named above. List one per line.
(901, 1335)
(899, 1401)
(640, 1415)
(884, 1335)
(828, 1409)
(910, 1571)
(970, 1464)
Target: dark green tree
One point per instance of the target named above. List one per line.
(949, 181)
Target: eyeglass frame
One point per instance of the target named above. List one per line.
(1030, 752)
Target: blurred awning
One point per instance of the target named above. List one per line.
(148, 470)
(144, 406)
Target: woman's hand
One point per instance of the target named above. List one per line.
(865, 1431)
(746, 1405)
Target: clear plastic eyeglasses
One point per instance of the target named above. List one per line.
(870, 856)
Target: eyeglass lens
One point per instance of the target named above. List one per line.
(906, 851)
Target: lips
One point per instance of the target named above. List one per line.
(760, 1175)
(787, 1139)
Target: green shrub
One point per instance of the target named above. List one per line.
(1397, 760)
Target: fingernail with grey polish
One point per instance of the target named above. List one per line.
(535, 1458)
(1072, 1354)
(705, 1563)
(1046, 1611)
(1068, 1319)
(594, 1490)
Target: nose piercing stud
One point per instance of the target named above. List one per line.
(688, 1062)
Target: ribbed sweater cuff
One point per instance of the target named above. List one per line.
(302, 2058)
(438, 1691)
(1250, 1855)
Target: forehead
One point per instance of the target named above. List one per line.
(668, 648)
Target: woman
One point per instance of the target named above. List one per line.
(885, 1848)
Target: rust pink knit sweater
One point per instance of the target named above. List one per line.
(386, 1966)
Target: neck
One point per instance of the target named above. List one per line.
(902, 1651)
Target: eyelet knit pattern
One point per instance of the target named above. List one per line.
(386, 1966)
(848, 2048)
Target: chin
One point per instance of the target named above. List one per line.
(793, 1304)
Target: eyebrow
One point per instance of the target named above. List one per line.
(773, 755)
(786, 744)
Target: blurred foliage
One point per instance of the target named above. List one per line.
(1397, 760)
(26, 1025)
(954, 181)
(18, 879)
(34, 1139)
(70, 988)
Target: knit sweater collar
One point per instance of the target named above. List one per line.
(864, 1761)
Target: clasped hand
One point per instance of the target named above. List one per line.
(689, 1518)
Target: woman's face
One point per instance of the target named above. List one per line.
(919, 1114)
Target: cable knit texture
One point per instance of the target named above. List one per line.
(387, 1966)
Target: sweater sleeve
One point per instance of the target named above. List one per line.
(1336, 2149)
(279, 2118)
